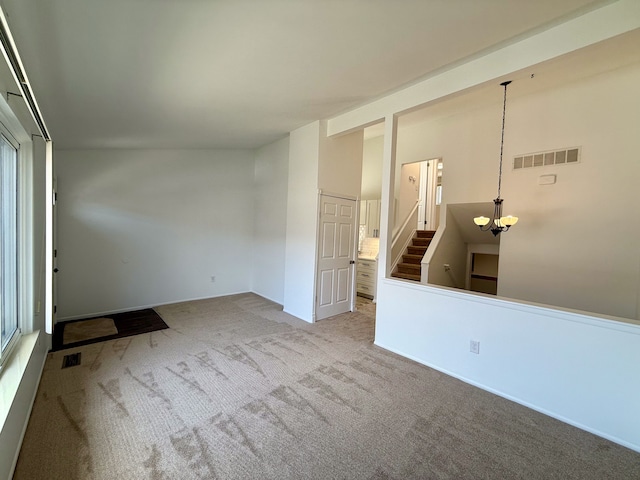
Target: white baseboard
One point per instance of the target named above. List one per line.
(517, 400)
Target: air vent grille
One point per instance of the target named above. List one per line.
(71, 360)
(540, 159)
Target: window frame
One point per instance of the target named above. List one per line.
(24, 242)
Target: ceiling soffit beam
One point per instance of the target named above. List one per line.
(591, 28)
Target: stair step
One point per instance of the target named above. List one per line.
(423, 242)
(416, 250)
(406, 276)
(425, 233)
(411, 268)
(410, 258)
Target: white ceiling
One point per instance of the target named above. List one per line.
(242, 73)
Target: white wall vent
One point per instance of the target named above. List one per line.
(539, 159)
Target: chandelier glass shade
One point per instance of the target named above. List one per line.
(498, 223)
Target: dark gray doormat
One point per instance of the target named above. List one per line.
(126, 323)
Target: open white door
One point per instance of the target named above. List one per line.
(336, 256)
(427, 214)
(423, 198)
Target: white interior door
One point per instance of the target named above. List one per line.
(336, 256)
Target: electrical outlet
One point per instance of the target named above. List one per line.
(474, 347)
(213, 279)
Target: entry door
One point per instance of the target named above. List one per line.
(336, 256)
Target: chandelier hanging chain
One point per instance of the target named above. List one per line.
(504, 111)
(498, 223)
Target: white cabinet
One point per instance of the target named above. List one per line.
(366, 277)
(370, 217)
(373, 218)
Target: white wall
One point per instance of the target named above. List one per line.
(451, 250)
(316, 163)
(371, 188)
(340, 163)
(302, 222)
(558, 254)
(407, 192)
(270, 219)
(141, 228)
(580, 369)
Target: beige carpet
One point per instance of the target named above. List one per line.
(88, 329)
(236, 389)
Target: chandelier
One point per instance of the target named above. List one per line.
(498, 223)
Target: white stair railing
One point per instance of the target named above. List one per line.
(405, 234)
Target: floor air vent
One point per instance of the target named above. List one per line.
(555, 157)
(71, 360)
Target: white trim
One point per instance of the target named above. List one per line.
(432, 191)
(25, 238)
(314, 306)
(11, 122)
(423, 195)
(387, 213)
(48, 242)
(337, 195)
(17, 137)
(626, 325)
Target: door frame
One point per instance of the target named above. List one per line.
(354, 249)
(427, 194)
(54, 253)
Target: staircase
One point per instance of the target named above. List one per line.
(410, 268)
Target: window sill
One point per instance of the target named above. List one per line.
(13, 371)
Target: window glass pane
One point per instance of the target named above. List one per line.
(8, 242)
